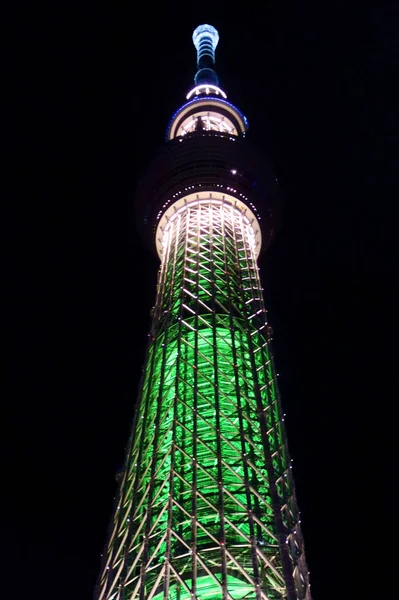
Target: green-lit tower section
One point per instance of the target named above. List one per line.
(206, 504)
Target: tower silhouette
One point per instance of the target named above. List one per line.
(206, 503)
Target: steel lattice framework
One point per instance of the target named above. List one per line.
(206, 506)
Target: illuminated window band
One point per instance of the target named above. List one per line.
(206, 89)
(216, 199)
(204, 105)
(211, 121)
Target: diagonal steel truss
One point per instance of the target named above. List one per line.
(206, 506)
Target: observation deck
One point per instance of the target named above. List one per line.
(213, 162)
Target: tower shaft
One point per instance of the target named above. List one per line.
(206, 507)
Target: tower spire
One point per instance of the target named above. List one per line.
(205, 39)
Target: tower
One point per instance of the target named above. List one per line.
(206, 504)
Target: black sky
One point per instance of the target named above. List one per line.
(92, 90)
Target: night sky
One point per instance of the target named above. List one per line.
(92, 91)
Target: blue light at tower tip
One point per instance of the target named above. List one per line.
(205, 39)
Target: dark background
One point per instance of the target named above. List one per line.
(92, 90)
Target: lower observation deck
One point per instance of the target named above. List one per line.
(209, 161)
(205, 198)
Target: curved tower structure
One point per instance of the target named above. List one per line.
(206, 504)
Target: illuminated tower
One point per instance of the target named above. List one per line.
(206, 506)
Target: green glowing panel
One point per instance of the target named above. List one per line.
(208, 589)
